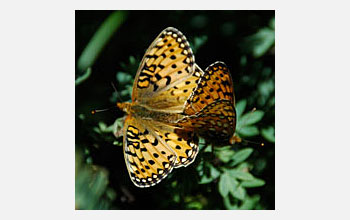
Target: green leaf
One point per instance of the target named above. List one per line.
(226, 183)
(249, 202)
(228, 205)
(100, 39)
(248, 131)
(265, 88)
(214, 173)
(83, 77)
(239, 193)
(202, 144)
(239, 174)
(90, 186)
(132, 60)
(209, 148)
(255, 182)
(124, 78)
(127, 91)
(243, 166)
(261, 42)
(272, 23)
(117, 143)
(251, 118)
(224, 154)
(104, 128)
(240, 107)
(176, 198)
(81, 116)
(268, 133)
(195, 205)
(205, 180)
(198, 42)
(241, 155)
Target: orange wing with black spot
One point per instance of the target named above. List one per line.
(167, 61)
(215, 84)
(215, 122)
(210, 110)
(173, 99)
(152, 150)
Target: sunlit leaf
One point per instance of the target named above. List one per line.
(241, 155)
(268, 133)
(226, 183)
(240, 107)
(255, 182)
(100, 39)
(248, 131)
(195, 205)
(239, 192)
(224, 154)
(249, 202)
(214, 172)
(239, 174)
(252, 117)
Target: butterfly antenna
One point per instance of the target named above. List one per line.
(116, 91)
(100, 110)
(253, 142)
(235, 139)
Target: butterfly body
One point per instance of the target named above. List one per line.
(145, 113)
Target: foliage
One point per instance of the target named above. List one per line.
(226, 177)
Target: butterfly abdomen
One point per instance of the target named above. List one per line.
(149, 114)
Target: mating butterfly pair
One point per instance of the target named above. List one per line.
(174, 101)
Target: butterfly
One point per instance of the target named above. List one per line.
(210, 109)
(153, 144)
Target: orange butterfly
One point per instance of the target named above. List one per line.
(166, 77)
(174, 101)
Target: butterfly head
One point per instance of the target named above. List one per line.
(124, 106)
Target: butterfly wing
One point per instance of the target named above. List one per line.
(215, 84)
(167, 61)
(148, 161)
(210, 109)
(151, 150)
(182, 142)
(215, 122)
(173, 99)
